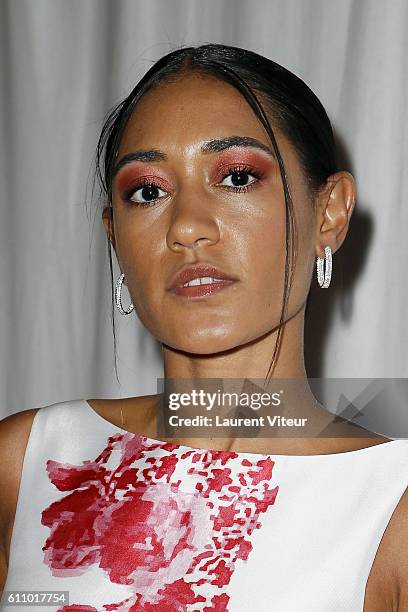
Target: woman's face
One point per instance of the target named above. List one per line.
(223, 206)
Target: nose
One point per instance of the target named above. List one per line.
(192, 224)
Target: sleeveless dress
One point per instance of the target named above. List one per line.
(127, 523)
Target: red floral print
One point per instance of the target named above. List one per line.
(171, 522)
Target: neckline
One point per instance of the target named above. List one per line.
(242, 454)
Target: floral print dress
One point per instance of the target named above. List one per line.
(121, 522)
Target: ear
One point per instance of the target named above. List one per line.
(335, 205)
(107, 218)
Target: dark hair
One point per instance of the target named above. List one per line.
(270, 89)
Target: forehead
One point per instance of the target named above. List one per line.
(192, 109)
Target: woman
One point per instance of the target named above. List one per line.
(220, 166)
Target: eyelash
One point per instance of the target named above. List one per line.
(242, 188)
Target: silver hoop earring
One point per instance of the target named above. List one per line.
(118, 297)
(324, 279)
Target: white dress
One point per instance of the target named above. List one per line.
(126, 523)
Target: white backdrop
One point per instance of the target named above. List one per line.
(64, 63)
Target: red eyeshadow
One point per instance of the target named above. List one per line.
(243, 157)
(131, 174)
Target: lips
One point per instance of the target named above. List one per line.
(189, 272)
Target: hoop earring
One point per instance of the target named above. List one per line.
(118, 297)
(324, 280)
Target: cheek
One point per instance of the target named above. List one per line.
(131, 247)
(262, 245)
(137, 253)
(263, 240)
(258, 256)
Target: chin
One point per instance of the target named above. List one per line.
(203, 342)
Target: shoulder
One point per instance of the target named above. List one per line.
(392, 557)
(14, 433)
(398, 544)
(136, 414)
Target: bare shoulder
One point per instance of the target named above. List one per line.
(388, 580)
(398, 544)
(138, 413)
(14, 433)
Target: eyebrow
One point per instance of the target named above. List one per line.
(211, 146)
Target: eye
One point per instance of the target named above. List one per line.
(145, 193)
(238, 177)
